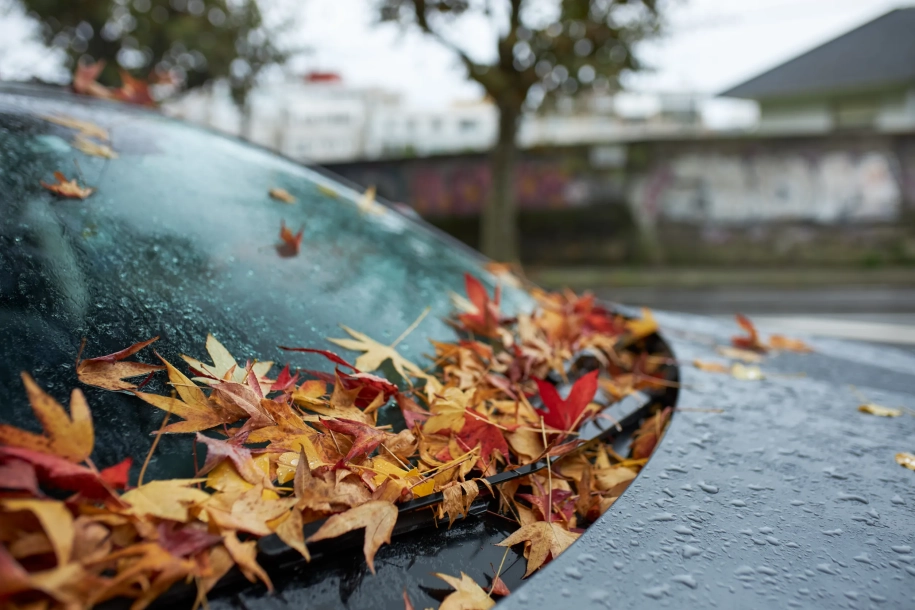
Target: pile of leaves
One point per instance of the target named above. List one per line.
(302, 447)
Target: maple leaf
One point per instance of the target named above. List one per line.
(377, 517)
(456, 500)
(85, 80)
(234, 451)
(59, 472)
(649, 434)
(711, 367)
(448, 411)
(412, 412)
(69, 436)
(281, 195)
(108, 372)
(546, 539)
(906, 460)
(780, 342)
(376, 353)
(564, 414)
(751, 340)
(558, 499)
(118, 475)
(365, 438)
(483, 315)
(18, 475)
(479, 431)
(86, 129)
(367, 203)
(879, 411)
(133, 90)
(250, 511)
(290, 243)
(93, 149)
(199, 412)
(184, 540)
(69, 189)
(642, 327)
(243, 400)
(225, 368)
(284, 381)
(55, 519)
(245, 556)
(468, 595)
(168, 499)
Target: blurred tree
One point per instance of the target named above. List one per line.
(546, 51)
(195, 40)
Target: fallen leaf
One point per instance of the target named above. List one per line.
(739, 354)
(133, 90)
(85, 80)
(67, 188)
(94, 149)
(546, 539)
(281, 195)
(906, 459)
(108, 372)
(780, 342)
(499, 587)
(55, 519)
(448, 411)
(19, 475)
(85, 128)
(565, 414)
(482, 316)
(168, 499)
(366, 438)
(456, 500)
(711, 367)
(367, 203)
(647, 437)
(751, 341)
(234, 451)
(290, 244)
(478, 431)
(879, 411)
(467, 595)
(69, 436)
(407, 604)
(117, 475)
(378, 519)
(639, 328)
(376, 353)
(59, 472)
(224, 367)
(746, 372)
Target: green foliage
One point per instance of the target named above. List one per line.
(546, 51)
(195, 40)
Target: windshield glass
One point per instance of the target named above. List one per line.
(179, 241)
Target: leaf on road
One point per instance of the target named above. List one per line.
(467, 595)
(68, 189)
(108, 372)
(378, 519)
(879, 411)
(68, 436)
(906, 459)
(546, 540)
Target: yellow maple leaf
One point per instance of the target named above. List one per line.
(70, 436)
(376, 353)
(468, 595)
(225, 367)
(879, 411)
(55, 519)
(545, 539)
(93, 149)
(168, 499)
(378, 519)
(448, 411)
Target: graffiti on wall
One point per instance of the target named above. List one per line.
(460, 186)
(713, 187)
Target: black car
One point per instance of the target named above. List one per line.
(764, 493)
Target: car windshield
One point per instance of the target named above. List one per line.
(178, 241)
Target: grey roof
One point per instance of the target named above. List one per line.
(877, 54)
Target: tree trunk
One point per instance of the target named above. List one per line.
(499, 226)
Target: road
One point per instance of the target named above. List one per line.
(880, 314)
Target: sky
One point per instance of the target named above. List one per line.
(709, 46)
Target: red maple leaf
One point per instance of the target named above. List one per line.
(564, 414)
(751, 340)
(19, 475)
(412, 412)
(284, 380)
(184, 540)
(133, 91)
(370, 384)
(485, 320)
(563, 507)
(290, 242)
(479, 431)
(59, 472)
(365, 438)
(233, 450)
(117, 475)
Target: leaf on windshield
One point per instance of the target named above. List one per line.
(281, 195)
(547, 540)
(94, 149)
(787, 344)
(367, 203)
(85, 128)
(85, 80)
(68, 189)
(109, 372)
(468, 595)
(377, 517)
(290, 243)
(376, 353)
(565, 414)
(133, 90)
(69, 436)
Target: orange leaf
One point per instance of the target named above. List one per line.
(290, 243)
(378, 519)
(108, 372)
(69, 189)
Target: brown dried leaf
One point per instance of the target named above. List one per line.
(546, 539)
(378, 519)
(467, 595)
(108, 372)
